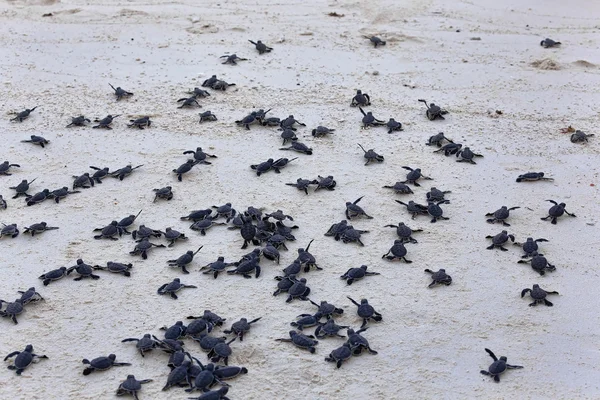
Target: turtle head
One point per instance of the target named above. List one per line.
(503, 358)
(563, 205)
(29, 348)
(292, 333)
(303, 280)
(177, 280)
(505, 232)
(112, 357)
(79, 261)
(223, 390)
(364, 301)
(536, 286)
(114, 223)
(363, 267)
(350, 331)
(179, 323)
(130, 377)
(221, 258)
(63, 269)
(210, 367)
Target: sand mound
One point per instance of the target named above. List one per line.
(584, 64)
(546, 64)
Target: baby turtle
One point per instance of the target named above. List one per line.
(142, 248)
(217, 266)
(245, 268)
(371, 155)
(39, 228)
(172, 236)
(108, 232)
(556, 211)
(580, 136)
(306, 259)
(39, 140)
(99, 174)
(289, 122)
(281, 163)
(204, 380)
(240, 327)
(279, 216)
(105, 122)
(9, 230)
(288, 135)
(271, 121)
(197, 215)
(466, 155)
(327, 310)
(188, 102)
(538, 295)
(414, 208)
(199, 93)
(263, 167)
(433, 111)
(210, 81)
(140, 122)
(435, 194)
(184, 260)
(203, 225)
(299, 147)
(285, 283)
(449, 149)
(303, 184)
(248, 232)
(261, 47)
(175, 331)
(499, 240)
(173, 287)
(325, 183)
(5, 167)
(22, 188)
(337, 229)
(271, 253)
(498, 367)
(360, 99)
(200, 156)
(435, 211)
(131, 386)
(354, 210)
(354, 274)
(23, 115)
(3, 204)
(121, 173)
(61, 193)
(144, 232)
(399, 188)
(539, 263)
(369, 120)
(546, 43)
(163, 193)
(530, 247)
(301, 340)
(358, 343)
(322, 131)
(24, 359)
(533, 176)
(207, 116)
(120, 93)
(38, 197)
(439, 277)
(221, 85)
(341, 354)
(12, 309)
(352, 235)
(102, 364)
(53, 275)
(500, 215)
(146, 343)
(414, 175)
(306, 320)
(30, 296)
(376, 42)
(84, 270)
(436, 140)
(366, 311)
(329, 329)
(398, 252)
(298, 290)
(219, 394)
(232, 59)
(127, 222)
(117, 268)
(393, 126)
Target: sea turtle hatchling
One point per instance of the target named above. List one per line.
(219, 394)
(102, 364)
(414, 208)
(203, 225)
(369, 120)
(289, 122)
(530, 247)
(538, 295)
(145, 344)
(320, 131)
(131, 386)
(303, 184)
(270, 252)
(288, 135)
(39, 228)
(23, 115)
(143, 246)
(329, 329)
(126, 222)
(354, 274)
(197, 215)
(449, 149)
(184, 260)
(262, 167)
(284, 283)
(352, 235)
(5, 167)
(376, 42)
(306, 321)
(163, 193)
(188, 102)
(261, 47)
(439, 277)
(327, 182)
(210, 81)
(414, 175)
(116, 267)
(22, 188)
(301, 340)
(24, 359)
(175, 331)
(221, 85)
(366, 311)
(399, 188)
(120, 92)
(353, 210)
(271, 121)
(241, 327)
(437, 140)
(533, 176)
(12, 309)
(200, 93)
(245, 268)
(105, 122)
(556, 211)
(435, 194)
(397, 252)
(500, 215)
(3, 204)
(546, 43)
(207, 116)
(298, 290)
(580, 137)
(393, 126)
(340, 354)
(499, 240)
(232, 59)
(498, 367)
(467, 155)
(108, 232)
(99, 174)
(298, 147)
(38, 140)
(140, 122)
(172, 236)
(433, 111)
(281, 163)
(358, 343)
(360, 99)
(435, 211)
(61, 193)
(306, 259)
(173, 287)
(9, 230)
(200, 156)
(539, 263)
(337, 229)
(327, 310)
(84, 270)
(217, 266)
(30, 296)
(82, 181)
(371, 156)
(53, 275)
(121, 173)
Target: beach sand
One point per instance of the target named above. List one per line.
(431, 341)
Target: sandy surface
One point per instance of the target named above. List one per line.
(431, 341)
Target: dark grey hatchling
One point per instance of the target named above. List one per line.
(303, 184)
(115, 267)
(38, 140)
(306, 321)
(435, 194)
(200, 156)
(5, 167)
(498, 367)
(105, 122)
(131, 386)
(126, 223)
(217, 266)
(449, 149)
(84, 270)
(184, 260)
(102, 364)
(322, 131)
(557, 210)
(580, 137)
(219, 394)
(9, 230)
(499, 240)
(23, 359)
(23, 115)
(261, 47)
(143, 246)
(288, 135)
(399, 188)
(376, 42)
(241, 327)
(173, 287)
(437, 140)
(22, 188)
(263, 167)
(232, 59)
(530, 247)
(298, 147)
(354, 274)
(393, 126)
(99, 174)
(360, 99)
(298, 290)
(205, 224)
(397, 252)
(369, 119)
(53, 275)
(121, 173)
(533, 176)
(433, 111)
(327, 310)
(325, 183)
(538, 295)
(467, 155)
(358, 343)
(329, 329)
(3, 204)
(371, 155)
(188, 102)
(140, 122)
(414, 208)
(61, 193)
(500, 215)
(353, 210)
(435, 211)
(439, 277)
(221, 85)
(546, 43)
(163, 193)
(207, 116)
(199, 93)
(30, 296)
(39, 228)
(339, 355)
(172, 236)
(145, 344)
(366, 311)
(414, 175)
(82, 181)
(120, 92)
(108, 232)
(12, 309)
(289, 122)
(301, 340)
(404, 232)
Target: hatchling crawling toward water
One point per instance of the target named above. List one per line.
(53, 275)
(414, 208)
(38, 140)
(369, 119)
(207, 116)
(142, 247)
(376, 42)
(188, 102)
(84, 270)
(449, 149)
(24, 359)
(546, 43)
(358, 343)
(530, 247)
(499, 240)
(39, 228)
(354, 274)
(533, 176)
(467, 155)
(498, 367)
(339, 355)
(303, 184)
(397, 252)
(353, 210)
(5, 167)
(360, 99)
(140, 122)
(12, 309)
(557, 210)
(366, 311)
(301, 340)
(131, 386)
(500, 215)
(9, 230)
(437, 140)
(172, 236)
(232, 59)
(580, 137)
(105, 122)
(102, 364)
(404, 232)
(116, 267)
(539, 263)
(23, 115)
(538, 295)
(400, 188)
(371, 156)
(120, 93)
(414, 175)
(261, 47)
(439, 277)
(240, 327)
(30, 296)
(173, 287)
(121, 173)
(433, 111)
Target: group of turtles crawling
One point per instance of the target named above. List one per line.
(270, 231)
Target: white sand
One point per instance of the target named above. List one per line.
(431, 341)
